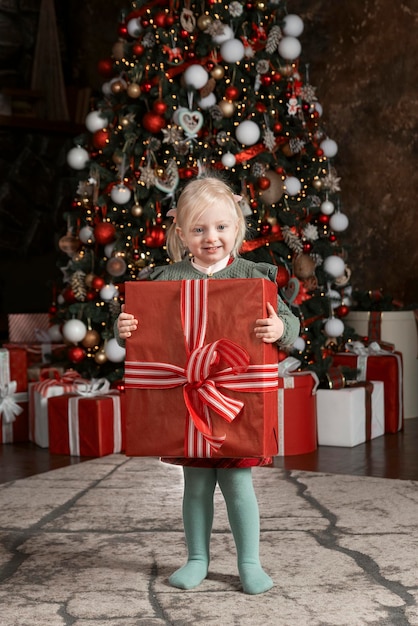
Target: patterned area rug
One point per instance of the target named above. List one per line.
(94, 543)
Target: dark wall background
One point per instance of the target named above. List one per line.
(362, 60)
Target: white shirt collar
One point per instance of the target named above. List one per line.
(220, 265)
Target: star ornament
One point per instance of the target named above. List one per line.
(332, 182)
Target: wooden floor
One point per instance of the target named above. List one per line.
(391, 456)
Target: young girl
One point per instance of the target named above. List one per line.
(204, 238)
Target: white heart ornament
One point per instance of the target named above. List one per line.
(191, 122)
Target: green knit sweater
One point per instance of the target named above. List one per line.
(239, 268)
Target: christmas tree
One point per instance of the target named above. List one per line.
(190, 88)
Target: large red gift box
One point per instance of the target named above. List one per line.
(297, 413)
(86, 425)
(198, 382)
(387, 367)
(14, 417)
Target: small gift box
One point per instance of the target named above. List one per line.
(198, 382)
(374, 363)
(350, 416)
(13, 396)
(87, 423)
(39, 393)
(41, 352)
(297, 409)
(26, 327)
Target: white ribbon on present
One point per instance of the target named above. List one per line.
(374, 349)
(9, 398)
(90, 389)
(287, 371)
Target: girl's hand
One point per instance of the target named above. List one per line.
(271, 328)
(126, 324)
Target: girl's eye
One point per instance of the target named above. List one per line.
(221, 227)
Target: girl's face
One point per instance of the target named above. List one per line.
(212, 238)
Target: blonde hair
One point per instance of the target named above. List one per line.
(198, 196)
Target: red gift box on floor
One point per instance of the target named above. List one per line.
(39, 353)
(13, 396)
(297, 411)
(377, 364)
(198, 382)
(81, 425)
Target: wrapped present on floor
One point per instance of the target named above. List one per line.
(374, 363)
(39, 392)
(14, 419)
(297, 409)
(41, 371)
(90, 422)
(198, 382)
(352, 415)
(42, 352)
(26, 327)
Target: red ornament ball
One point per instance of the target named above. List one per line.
(307, 247)
(105, 67)
(146, 87)
(155, 237)
(263, 183)
(277, 127)
(332, 238)
(100, 138)
(76, 354)
(169, 20)
(104, 233)
(138, 49)
(69, 296)
(232, 92)
(266, 80)
(97, 282)
(160, 19)
(261, 107)
(152, 122)
(52, 310)
(188, 173)
(319, 152)
(159, 107)
(342, 310)
(282, 277)
(91, 295)
(323, 219)
(122, 31)
(276, 77)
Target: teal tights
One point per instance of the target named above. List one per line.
(241, 502)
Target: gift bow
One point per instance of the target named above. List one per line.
(66, 381)
(93, 387)
(200, 383)
(9, 409)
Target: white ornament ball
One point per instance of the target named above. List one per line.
(334, 298)
(196, 76)
(134, 27)
(329, 148)
(114, 351)
(95, 121)
(228, 159)
(86, 234)
(247, 133)
(74, 330)
(299, 344)
(289, 48)
(327, 207)
(334, 266)
(106, 89)
(292, 185)
(120, 194)
(207, 102)
(108, 249)
(55, 333)
(334, 327)
(77, 158)
(232, 50)
(227, 33)
(108, 292)
(319, 108)
(293, 25)
(338, 222)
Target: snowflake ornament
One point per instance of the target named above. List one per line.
(310, 232)
(331, 181)
(147, 176)
(269, 139)
(235, 9)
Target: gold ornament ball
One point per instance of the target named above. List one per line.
(91, 339)
(69, 244)
(227, 108)
(317, 184)
(118, 50)
(100, 357)
(204, 21)
(134, 90)
(137, 210)
(218, 72)
(260, 5)
(88, 280)
(117, 87)
(117, 158)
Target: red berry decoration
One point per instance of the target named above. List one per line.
(277, 127)
(76, 354)
(263, 183)
(104, 233)
(146, 87)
